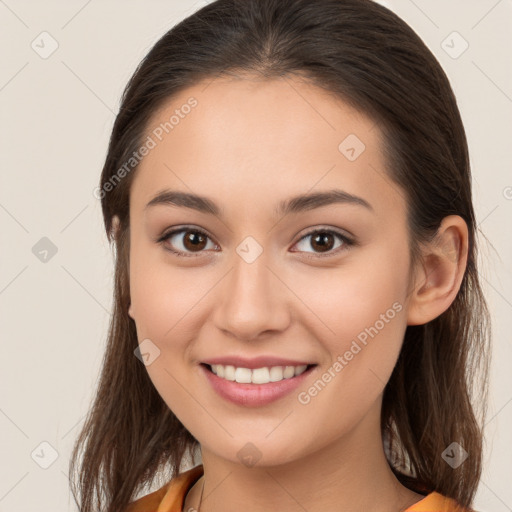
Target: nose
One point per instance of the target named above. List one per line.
(252, 301)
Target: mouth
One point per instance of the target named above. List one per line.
(258, 386)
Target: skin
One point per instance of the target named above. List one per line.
(248, 144)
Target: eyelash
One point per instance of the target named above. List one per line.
(347, 242)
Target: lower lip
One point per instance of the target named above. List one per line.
(254, 395)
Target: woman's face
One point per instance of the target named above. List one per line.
(259, 283)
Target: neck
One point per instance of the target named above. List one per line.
(351, 474)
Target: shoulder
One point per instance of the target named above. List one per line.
(169, 497)
(436, 502)
(150, 502)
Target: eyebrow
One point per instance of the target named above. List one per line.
(297, 204)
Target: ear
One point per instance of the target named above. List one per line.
(116, 223)
(439, 275)
(130, 312)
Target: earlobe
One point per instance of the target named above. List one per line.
(130, 311)
(438, 277)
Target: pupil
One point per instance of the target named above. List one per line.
(195, 239)
(323, 241)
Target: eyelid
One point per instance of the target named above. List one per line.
(177, 229)
(325, 228)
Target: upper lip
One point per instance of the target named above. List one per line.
(256, 362)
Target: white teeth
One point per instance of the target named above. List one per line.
(229, 372)
(276, 373)
(258, 375)
(289, 371)
(242, 375)
(300, 369)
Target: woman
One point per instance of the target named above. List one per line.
(288, 190)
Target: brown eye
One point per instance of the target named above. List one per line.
(194, 240)
(323, 242)
(186, 241)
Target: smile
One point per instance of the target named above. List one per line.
(255, 387)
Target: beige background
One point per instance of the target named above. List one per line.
(56, 117)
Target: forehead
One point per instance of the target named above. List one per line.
(244, 140)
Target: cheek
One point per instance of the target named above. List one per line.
(361, 333)
(163, 296)
(359, 317)
(163, 300)
(347, 300)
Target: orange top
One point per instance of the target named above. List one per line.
(171, 497)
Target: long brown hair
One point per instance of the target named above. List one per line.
(367, 56)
